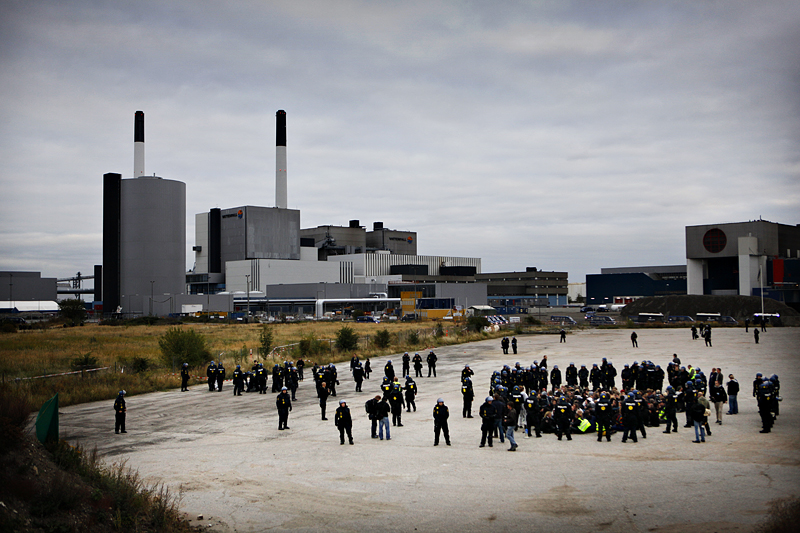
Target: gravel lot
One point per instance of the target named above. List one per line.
(230, 464)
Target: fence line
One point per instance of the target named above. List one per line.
(17, 380)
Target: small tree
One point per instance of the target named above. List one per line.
(383, 338)
(413, 338)
(477, 323)
(346, 339)
(73, 310)
(265, 338)
(184, 346)
(438, 332)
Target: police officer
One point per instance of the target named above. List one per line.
(514, 344)
(766, 395)
(406, 364)
(220, 376)
(432, 363)
(532, 416)
(322, 393)
(120, 410)
(301, 364)
(211, 373)
(629, 418)
(555, 377)
(596, 377)
(238, 381)
(358, 376)
(641, 412)
(397, 402)
(371, 406)
(417, 365)
(486, 413)
(468, 395)
(671, 409)
(332, 378)
(261, 379)
(185, 377)
(411, 394)
(386, 387)
(563, 416)
(604, 413)
(571, 375)
(466, 373)
(284, 404)
(440, 415)
(388, 370)
(583, 377)
(344, 422)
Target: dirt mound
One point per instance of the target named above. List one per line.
(739, 307)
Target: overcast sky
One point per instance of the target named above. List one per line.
(569, 136)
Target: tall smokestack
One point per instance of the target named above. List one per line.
(138, 144)
(280, 159)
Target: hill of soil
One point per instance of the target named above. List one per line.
(739, 307)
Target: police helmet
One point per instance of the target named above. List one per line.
(389, 362)
(341, 402)
(757, 375)
(631, 395)
(440, 400)
(284, 388)
(122, 393)
(212, 362)
(489, 398)
(238, 367)
(669, 388)
(555, 367)
(583, 366)
(773, 378)
(185, 364)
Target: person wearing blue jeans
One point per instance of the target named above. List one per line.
(510, 424)
(733, 392)
(383, 419)
(698, 411)
(499, 410)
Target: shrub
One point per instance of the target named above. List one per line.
(382, 338)
(533, 321)
(438, 331)
(346, 339)
(8, 327)
(413, 338)
(477, 323)
(183, 346)
(85, 361)
(139, 364)
(14, 411)
(311, 345)
(73, 310)
(266, 339)
(357, 313)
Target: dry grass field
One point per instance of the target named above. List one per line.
(39, 352)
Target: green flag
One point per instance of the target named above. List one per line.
(47, 421)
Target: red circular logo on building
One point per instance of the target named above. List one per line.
(715, 240)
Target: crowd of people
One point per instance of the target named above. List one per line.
(535, 399)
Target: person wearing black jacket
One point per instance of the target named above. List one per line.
(733, 393)
(468, 395)
(571, 375)
(486, 413)
(119, 412)
(563, 415)
(371, 407)
(417, 365)
(220, 374)
(322, 393)
(411, 394)
(629, 419)
(499, 412)
(583, 377)
(604, 412)
(382, 410)
(211, 373)
(185, 377)
(406, 364)
(671, 409)
(555, 377)
(397, 402)
(284, 404)
(432, 363)
(718, 398)
(510, 420)
(358, 376)
(344, 422)
(440, 415)
(238, 381)
(389, 370)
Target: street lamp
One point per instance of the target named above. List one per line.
(247, 317)
(151, 297)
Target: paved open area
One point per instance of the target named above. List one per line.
(230, 464)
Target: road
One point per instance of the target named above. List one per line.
(228, 462)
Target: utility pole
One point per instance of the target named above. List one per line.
(247, 317)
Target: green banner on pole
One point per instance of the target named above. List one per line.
(47, 421)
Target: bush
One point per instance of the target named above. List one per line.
(184, 346)
(73, 310)
(382, 338)
(438, 332)
(266, 339)
(413, 338)
(8, 327)
(357, 313)
(139, 364)
(477, 323)
(346, 339)
(14, 411)
(533, 321)
(84, 362)
(311, 345)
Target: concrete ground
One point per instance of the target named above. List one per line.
(226, 459)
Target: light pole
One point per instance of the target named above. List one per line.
(247, 316)
(151, 297)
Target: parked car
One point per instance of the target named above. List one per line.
(587, 309)
(674, 319)
(368, 318)
(728, 320)
(602, 321)
(410, 317)
(564, 320)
